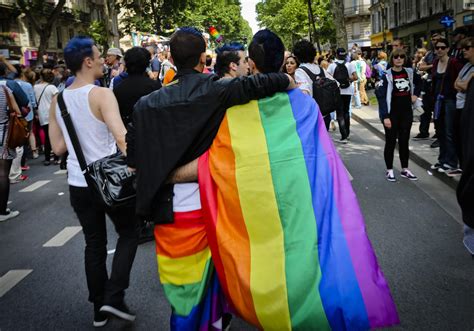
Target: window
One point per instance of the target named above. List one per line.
(355, 30)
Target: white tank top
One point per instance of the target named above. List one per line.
(94, 137)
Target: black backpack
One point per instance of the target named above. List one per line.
(325, 91)
(342, 75)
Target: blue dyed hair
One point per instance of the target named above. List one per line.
(267, 51)
(226, 54)
(76, 50)
(186, 45)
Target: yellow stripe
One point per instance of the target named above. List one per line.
(255, 185)
(183, 270)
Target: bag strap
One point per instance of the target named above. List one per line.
(39, 100)
(72, 133)
(468, 69)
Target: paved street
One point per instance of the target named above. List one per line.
(414, 227)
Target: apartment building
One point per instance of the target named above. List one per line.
(357, 22)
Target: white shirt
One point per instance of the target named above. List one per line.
(186, 197)
(463, 75)
(302, 79)
(43, 107)
(350, 69)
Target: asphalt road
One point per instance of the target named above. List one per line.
(414, 227)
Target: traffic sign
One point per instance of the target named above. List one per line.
(447, 21)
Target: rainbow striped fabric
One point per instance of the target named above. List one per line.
(188, 275)
(284, 226)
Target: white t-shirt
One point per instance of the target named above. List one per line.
(350, 69)
(302, 79)
(186, 197)
(463, 75)
(43, 107)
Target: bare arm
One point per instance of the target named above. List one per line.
(185, 174)
(424, 66)
(8, 64)
(13, 104)
(462, 85)
(55, 134)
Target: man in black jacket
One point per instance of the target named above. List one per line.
(176, 124)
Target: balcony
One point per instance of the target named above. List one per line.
(357, 10)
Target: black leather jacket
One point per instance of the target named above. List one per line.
(176, 124)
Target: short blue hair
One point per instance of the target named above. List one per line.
(76, 50)
(230, 47)
(226, 54)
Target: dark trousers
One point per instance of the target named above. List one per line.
(400, 130)
(327, 121)
(446, 134)
(91, 214)
(425, 118)
(458, 136)
(47, 143)
(343, 116)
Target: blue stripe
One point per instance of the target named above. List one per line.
(339, 289)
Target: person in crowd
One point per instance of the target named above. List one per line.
(361, 71)
(30, 76)
(396, 93)
(345, 74)
(231, 61)
(165, 65)
(456, 50)
(398, 43)
(170, 74)
(44, 92)
(461, 85)
(185, 132)
(136, 84)
(419, 55)
(113, 62)
(100, 131)
(444, 73)
(6, 79)
(291, 64)
(380, 66)
(304, 50)
(7, 105)
(323, 62)
(425, 69)
(155, 64)
(208, 69)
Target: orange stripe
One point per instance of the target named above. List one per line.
(186, 236)
(232, 236)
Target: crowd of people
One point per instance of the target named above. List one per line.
(105, 97)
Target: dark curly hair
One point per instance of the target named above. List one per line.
(304, 51)
(137, 59)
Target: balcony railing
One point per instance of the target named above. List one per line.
(357, 10)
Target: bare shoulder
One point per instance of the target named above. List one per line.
(100, 92)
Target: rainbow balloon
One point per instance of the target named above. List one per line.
(215, 34)
(285, 230)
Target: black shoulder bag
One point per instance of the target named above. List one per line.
(109, 177)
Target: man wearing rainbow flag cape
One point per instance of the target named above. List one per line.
(287, 255)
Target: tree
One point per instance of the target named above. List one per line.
(43, 16)
(341, 34)
(99, 32)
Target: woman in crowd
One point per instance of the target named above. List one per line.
(45, 91)
(419, 55)
(6, 154)
(291, 64)
(396, 95)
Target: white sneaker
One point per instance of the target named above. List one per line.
(10, 214)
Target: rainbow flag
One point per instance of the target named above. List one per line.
(284, 226)
(188, 275)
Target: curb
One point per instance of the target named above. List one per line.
(413, 155)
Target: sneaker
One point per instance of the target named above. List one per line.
(454, 172)
(119, 310)
(408, 174)
(35, 154)
(100, 319)
(436, 166)
(25, 168)
(435, 144)
(47, 163)
(421, 136)
(435, 136)
(343, 141)
(390, 176)
(445, 168)
(8, 215)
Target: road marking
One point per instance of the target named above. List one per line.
(60, 172)
(62, 237)
(35, 186)
(112, 251)
(349, 174)
(11, 278)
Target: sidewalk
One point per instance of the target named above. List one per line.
(420, 151)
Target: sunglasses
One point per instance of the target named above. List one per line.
(399, 56)
(466, 48)
(441, 47)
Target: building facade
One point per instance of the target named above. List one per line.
(357, 22)
(19, 40)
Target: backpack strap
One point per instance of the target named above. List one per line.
(312, 75)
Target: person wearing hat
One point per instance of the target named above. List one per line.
(112, 60)
(456, 50)
(345, 73)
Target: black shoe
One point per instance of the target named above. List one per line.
(435, 144)
(119, 310)
(421, 136)
(47, 163)
(408, 175)
(435, 136)
(100, 319)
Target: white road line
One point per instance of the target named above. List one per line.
(60, 172)
(35, 186)
(62, 237)
(349, 174)
(111, 251)
(11, 278)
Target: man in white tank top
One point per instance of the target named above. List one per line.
(96, 117)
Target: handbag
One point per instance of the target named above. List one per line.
(109, 177)
(18, 132)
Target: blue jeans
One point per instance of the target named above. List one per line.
(447, 146)
(357, 96)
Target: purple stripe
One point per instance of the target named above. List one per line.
(378, 301)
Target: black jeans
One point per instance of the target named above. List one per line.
(91, 214)
(425, 118)
(401, 127)
(343, 116)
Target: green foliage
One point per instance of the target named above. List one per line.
(98, 31)
(289, 19)
(224, 15)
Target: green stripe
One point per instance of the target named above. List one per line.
(183, 298)
(291, 184)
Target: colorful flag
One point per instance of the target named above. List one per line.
(285, 230)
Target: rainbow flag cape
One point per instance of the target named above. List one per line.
(284, 226)
(187, 274)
